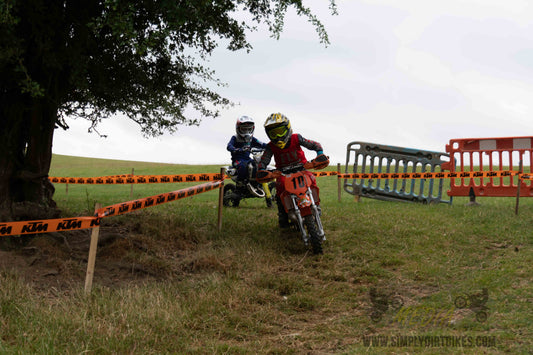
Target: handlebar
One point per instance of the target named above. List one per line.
(253, 150)
(320, 162)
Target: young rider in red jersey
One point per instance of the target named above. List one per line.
(285, 147)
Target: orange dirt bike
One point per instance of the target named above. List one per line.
(300, 200)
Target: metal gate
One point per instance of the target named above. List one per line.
(376, 158)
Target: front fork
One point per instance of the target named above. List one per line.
(299, 218)
(316, 214)
(268, 194)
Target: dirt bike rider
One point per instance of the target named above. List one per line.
(240, 146)
(285, 146)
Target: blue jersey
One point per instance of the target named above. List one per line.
(236, 145)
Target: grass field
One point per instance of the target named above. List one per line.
(391, 279)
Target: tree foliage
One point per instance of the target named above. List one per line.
(96, 58)
(135, 57)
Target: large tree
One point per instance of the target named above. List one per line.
(96, 58)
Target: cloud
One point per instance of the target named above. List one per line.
(411, 73)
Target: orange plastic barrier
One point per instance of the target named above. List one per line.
(490, 154)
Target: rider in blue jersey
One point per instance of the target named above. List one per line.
(240, 146)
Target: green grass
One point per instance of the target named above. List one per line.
(254, 289)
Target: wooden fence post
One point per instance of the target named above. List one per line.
(221, 198)
(92, 254)
(339, 182)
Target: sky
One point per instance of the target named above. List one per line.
(410, 73)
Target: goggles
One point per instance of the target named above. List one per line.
(246, 129)
(278, 132)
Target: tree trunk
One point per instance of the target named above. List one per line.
(26, 133)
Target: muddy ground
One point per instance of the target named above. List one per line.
(59, 260)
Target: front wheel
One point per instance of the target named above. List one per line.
(481, 316)
(396, 303)
(314, 237)
(461, 302)
(376, 316)
(231, 198)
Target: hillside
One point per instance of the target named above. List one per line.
(394, 277)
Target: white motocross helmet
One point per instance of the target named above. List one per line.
(245, 128)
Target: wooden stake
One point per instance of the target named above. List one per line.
(92, 254)
(339, 182)
(221, 198)
(357, 193)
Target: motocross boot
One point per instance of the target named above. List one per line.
(283, 217)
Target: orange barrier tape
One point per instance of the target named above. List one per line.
(67, 224)
(430, 175)
(324, 173)
(426, 175)
(118, 176)
(154, 179)
(48, 225)
(125, 207)
(525, 176)
(136, 179)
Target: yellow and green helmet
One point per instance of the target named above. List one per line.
(278, 129)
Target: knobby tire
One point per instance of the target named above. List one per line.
(314, 238)
(229, 199)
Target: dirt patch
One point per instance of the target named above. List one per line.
(59, 260)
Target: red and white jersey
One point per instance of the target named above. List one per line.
(291, 154)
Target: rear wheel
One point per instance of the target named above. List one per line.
(314, 238)
(230, 199)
